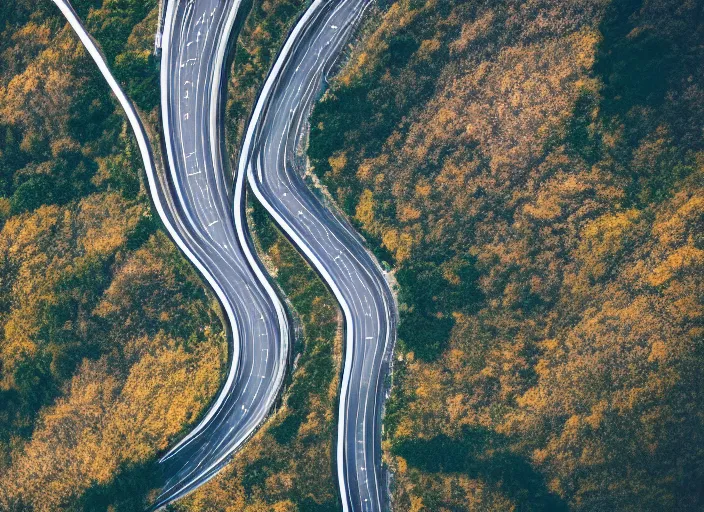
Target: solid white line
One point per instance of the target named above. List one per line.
(263, 98)
(230, 314)
(240, 232)
(143, 143)
(255, 171)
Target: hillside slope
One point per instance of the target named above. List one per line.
(533, 171)
(109, 344)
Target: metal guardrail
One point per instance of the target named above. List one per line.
(160, 27)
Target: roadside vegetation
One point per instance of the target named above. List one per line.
(263, 33)
(109, 345)
(534, 173)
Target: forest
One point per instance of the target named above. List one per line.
(533, 172)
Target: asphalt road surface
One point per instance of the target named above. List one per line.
(194, 204)
(195, 40)
(274, 161)
(193, 201)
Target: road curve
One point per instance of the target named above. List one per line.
(193, 203)
(273, 160)
(195, 40)
(188, 207)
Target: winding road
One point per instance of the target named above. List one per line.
(195, 203)
(273, 158)
(195, 40)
